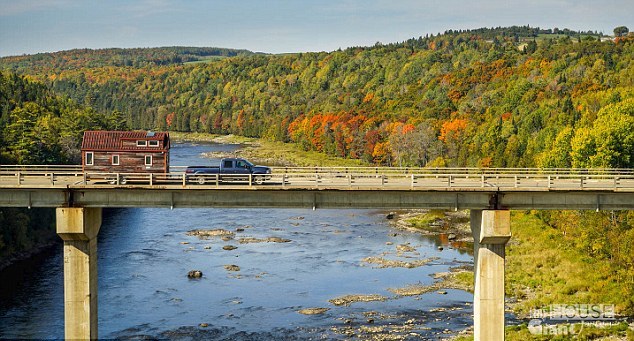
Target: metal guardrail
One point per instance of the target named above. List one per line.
(455, 170)
(335, 178)
(365, 170)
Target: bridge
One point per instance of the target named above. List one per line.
(490, 194)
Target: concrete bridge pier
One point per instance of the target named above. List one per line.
(491, 231)
(78, 227)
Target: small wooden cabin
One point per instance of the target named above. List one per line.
(125, 151)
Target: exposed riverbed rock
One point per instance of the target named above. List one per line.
(413, 290)
(206, 234)
(251, 240)
(389, 263)
(349, 299)
(195, 274)
(229, 247)
(402, 248)
(232, 267)
(313, 311)
(277, 240)
(455, 225)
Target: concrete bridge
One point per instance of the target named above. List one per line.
(490, 194)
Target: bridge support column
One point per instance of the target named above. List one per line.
(78, 227)
(491, 230)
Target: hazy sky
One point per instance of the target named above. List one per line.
(275, 26)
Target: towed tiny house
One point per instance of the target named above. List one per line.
(125, 152)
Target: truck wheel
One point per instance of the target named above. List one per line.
(200, 180)
(258, 180)
(123, 180)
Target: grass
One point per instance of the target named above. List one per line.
(426, 220)
(292, 155)
(543, 269)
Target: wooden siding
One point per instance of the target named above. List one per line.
(129, 162)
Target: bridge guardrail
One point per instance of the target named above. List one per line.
(334, 178)
(8, 169)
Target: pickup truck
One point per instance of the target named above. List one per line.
(230, 169)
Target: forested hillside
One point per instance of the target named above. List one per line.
(138, 57)
(508, 97)
(37, 127)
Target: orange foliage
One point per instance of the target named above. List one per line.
(240, 121)
(169, 119)
(485, 162)
(452, 128)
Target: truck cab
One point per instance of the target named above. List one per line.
(230, 166)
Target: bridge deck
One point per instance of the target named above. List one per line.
(368, 187)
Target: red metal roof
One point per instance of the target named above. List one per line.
(103, 140)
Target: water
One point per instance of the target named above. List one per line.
(145, 254)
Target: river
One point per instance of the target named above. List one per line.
(145, 255)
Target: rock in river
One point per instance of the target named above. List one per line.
(205, 234)
(229, 247)
(232, 267)
(195, 274)
(313, 311)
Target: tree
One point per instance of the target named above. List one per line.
(621, 31)
(610, 141)
(117, 121)
(558, 156)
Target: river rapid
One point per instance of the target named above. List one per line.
(288, 260)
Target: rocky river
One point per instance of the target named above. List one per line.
(283, 274)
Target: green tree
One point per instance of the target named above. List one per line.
(621, 31)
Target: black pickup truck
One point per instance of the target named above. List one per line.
(230, 169)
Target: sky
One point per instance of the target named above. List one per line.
(279, 26)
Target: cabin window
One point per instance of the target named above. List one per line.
(148, 160)
(141, 143)
(90, 160)
(115, 160)
(154, 143)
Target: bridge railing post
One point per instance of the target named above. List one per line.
(491, 231)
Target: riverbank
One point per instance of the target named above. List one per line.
(538, 274)
(265, 152)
